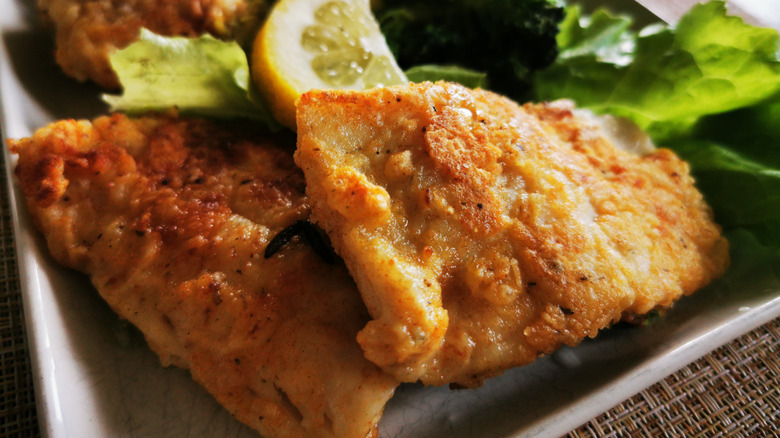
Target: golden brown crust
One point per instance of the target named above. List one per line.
(88, 31)
(500, 231)
(464, 156)
(170, 218)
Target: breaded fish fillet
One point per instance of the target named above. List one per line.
(482, 233)
(170, 218)
(88, 31)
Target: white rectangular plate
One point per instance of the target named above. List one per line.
(96, 378)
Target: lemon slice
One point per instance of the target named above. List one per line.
(307, 44)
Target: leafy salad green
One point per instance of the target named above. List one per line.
(664, 78)
(708, 88)
(201, 75)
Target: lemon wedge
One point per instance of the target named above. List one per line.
(307, 44)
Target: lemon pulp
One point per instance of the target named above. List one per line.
(340, 46)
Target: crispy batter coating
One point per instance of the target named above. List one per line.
(88, 31)
(170, 218)
(482, 233)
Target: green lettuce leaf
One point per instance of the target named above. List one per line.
(752, 263)
(200, 76)
(753, 131)
(735, 159)
(664, 78)
(742, 192)
(606, 37)
(433, 73)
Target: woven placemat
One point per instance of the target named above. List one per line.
(734, 391)
(18, 417)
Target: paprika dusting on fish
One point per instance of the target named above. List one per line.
(482, 233)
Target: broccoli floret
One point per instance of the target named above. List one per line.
(507, 39)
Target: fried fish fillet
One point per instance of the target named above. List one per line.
(170, 218)
(88, 31)
(482, 233)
